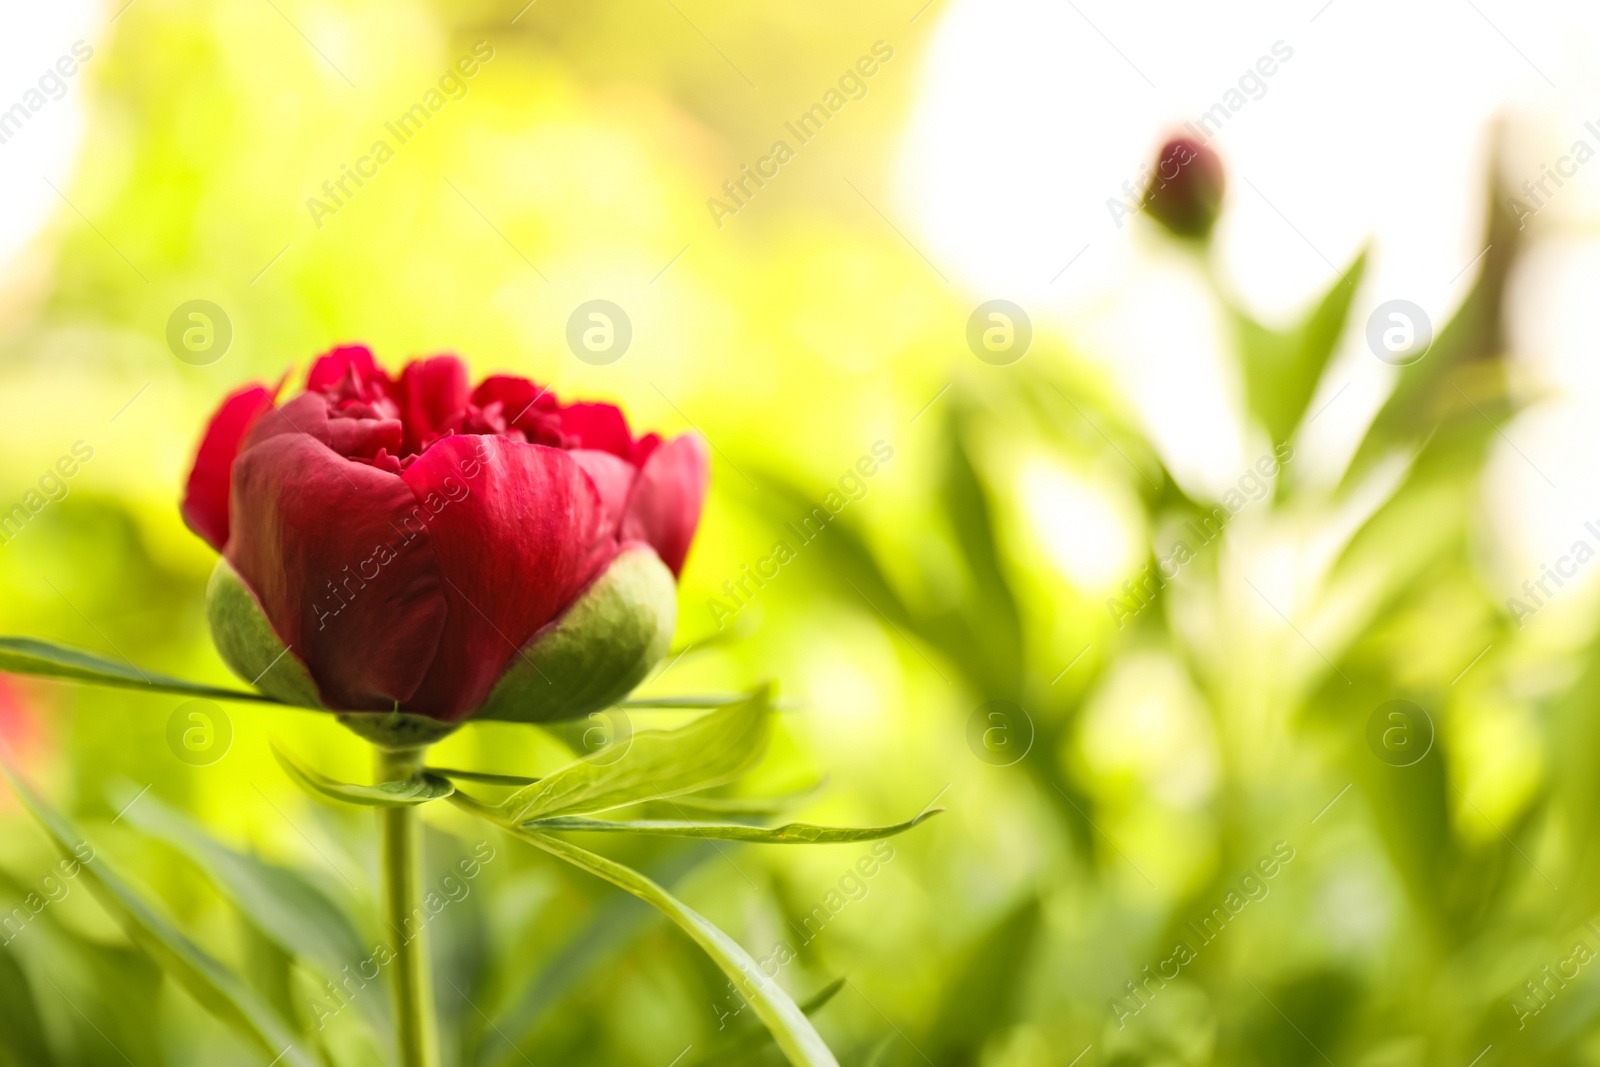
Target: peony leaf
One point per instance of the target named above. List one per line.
(418, 790)
(746, 1040)
(789, 1026)
(217, 989)
(42, 659)
(704, 700)
(710, 751)
(795, 833)
(485, 777)
(291, 911)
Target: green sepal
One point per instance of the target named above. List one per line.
(419, 789)
(248, 645)
(600, 649)
(397, 729)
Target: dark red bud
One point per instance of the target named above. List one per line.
(1185, 191)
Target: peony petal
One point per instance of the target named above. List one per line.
(331, 367)
(665, 507)
(613, 478)
(338, 554)
(306, 415)
(205, 499)
(598, 426)
(432, 395)
(515, 529)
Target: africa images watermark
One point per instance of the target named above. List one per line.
(1253, 82)
(1538, 190)
(1251, 888)
(1566, 566)
(53, 488)
(409, 528)
(52, 86)
(1254, 484)
(852, 888)
(852, 488)
(1550, 983)
(450, 890)
(452, 86)
(52, 890)
(852, 85)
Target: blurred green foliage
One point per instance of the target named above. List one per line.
(1166, 757)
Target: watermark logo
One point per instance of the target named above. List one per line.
(1399, 332)
(999, 332)
(1400, 733)
(199, 732)
(607, 736)
(999, 732)
(599, 332)
(199, 332)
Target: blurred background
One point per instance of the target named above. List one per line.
(1188, 822)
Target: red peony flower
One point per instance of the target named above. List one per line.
(412, 545)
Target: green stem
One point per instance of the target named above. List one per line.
(400, 857)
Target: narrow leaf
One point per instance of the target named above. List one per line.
(707, 700)
(480, 776)
(289, 909)
(789, 1026)
(419, 790)
(748, 1040)
(207, 980)
(25, 655)
(795, 833)
(710, 751)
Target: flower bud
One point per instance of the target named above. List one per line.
(411, 553)
(1185, 191)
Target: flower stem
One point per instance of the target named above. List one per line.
(400, 857)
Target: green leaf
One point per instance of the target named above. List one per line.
(286, 906)
(789, 1026)
(706, 700)
(25, 1044)
(207, 980)
(710, 751)
(419, 790)
(1282, 370)
(25, 655)
(480, 776)
(747, 1040)
(795, 833)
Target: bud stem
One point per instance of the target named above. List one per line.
(400, 857)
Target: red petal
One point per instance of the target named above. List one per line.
(432, 395)
(598, 426)
(515, 529)
(332, 366)
(613, 478)
(348, 583)
(205, 499)
(667, 498)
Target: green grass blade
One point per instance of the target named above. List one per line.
(789, 1026)
(749, 1040)
(41, 659)
(211, 984)
(289, 909)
